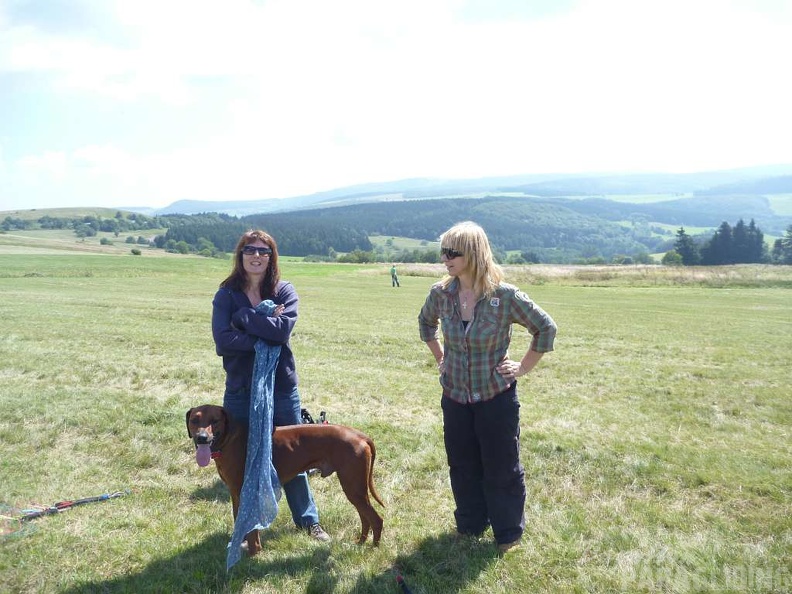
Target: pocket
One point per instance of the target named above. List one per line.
(452, 328)
(488, 322)
(488, 334)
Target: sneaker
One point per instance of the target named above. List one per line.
(316, 531)
(507, 546)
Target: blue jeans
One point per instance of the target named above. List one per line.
(482, 442)
(286, 412)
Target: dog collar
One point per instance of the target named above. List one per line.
(217, 454)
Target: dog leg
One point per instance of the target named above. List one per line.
(253, 543)
(357, 493)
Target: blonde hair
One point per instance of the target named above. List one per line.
(470, 239)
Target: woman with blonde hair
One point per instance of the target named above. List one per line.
(476, 309)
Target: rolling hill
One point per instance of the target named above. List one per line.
(754, 181)
(560, 218)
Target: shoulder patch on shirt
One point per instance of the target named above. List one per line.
(494, 302)
(522, 296)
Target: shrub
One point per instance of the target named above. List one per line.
(672, 258)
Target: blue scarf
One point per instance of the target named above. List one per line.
(261, 489)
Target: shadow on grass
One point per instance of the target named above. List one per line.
(441, 564)
(202, 569)
(217, 492)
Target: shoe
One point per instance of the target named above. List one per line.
(316, 531)
(507, 546)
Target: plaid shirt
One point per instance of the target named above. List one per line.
(471, 354)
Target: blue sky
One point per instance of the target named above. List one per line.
(144, 102)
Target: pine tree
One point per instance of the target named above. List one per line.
(782, 249)
(740, 250)
(721, 245)
(686, 248)
(743, 244)
(757, 249)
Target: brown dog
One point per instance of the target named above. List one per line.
(295, 449)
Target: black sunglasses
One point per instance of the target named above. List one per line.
(250, 250)
(451, 254)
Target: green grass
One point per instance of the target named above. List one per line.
(642, 198)
(655, 438)
(63, 241)
(781, 204)
(397, 244)
(688, 229)
(34, 214)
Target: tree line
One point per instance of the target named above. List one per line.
(521, 231)
(549, 232)
(88, 225)
(740, 244)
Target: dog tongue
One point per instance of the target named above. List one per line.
(203, 454)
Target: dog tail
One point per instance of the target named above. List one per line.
(371, 472)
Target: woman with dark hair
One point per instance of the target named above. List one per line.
(475, 310)
(236, 327)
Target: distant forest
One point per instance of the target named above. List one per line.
(548, 230)
(521, 229)
(553, 233)
(540, 231)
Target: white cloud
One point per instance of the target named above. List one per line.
(49, 164)
(294, 96)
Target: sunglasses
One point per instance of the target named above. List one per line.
(250, 250)
(451, 254)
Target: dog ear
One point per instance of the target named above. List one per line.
(226, 420)
(187, 420)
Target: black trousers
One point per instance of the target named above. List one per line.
(482, 442)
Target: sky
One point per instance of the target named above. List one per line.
(144, 102)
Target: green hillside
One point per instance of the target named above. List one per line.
(545, 229)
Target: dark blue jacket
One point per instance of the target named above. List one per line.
(236, 327)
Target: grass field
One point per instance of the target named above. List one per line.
(392, 244)
(34, 214)
(656, 438)
(781, 204)
(63, 241)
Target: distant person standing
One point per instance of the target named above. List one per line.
(481, 413)
(394, 277)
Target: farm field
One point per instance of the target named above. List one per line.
(656, 438)
(781, 203)
(63, 241)
(402, 243)
(32, 214)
